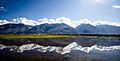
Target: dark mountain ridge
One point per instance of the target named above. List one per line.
(58, 28)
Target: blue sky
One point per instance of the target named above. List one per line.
(74, 9)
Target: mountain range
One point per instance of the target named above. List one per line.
(57, 28)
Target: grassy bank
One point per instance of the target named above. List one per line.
(10, 36)
(32, 36)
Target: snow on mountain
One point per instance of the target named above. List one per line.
(67, 49)
(65, 20)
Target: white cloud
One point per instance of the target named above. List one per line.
(116, 6)
(65, 20)
(2, 9)
(3, 22)
(100, 22)
(46, 20)
(25, 21)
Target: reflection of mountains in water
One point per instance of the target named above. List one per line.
(73, 51)
(62, 42)
(62, 50)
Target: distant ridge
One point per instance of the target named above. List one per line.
(58, 28)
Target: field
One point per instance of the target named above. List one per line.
(12, 36)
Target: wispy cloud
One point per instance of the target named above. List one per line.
(116, 6)
(2, 9)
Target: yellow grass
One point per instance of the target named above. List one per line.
(33, 36)
(12, 36)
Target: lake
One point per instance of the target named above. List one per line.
(60, 49)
